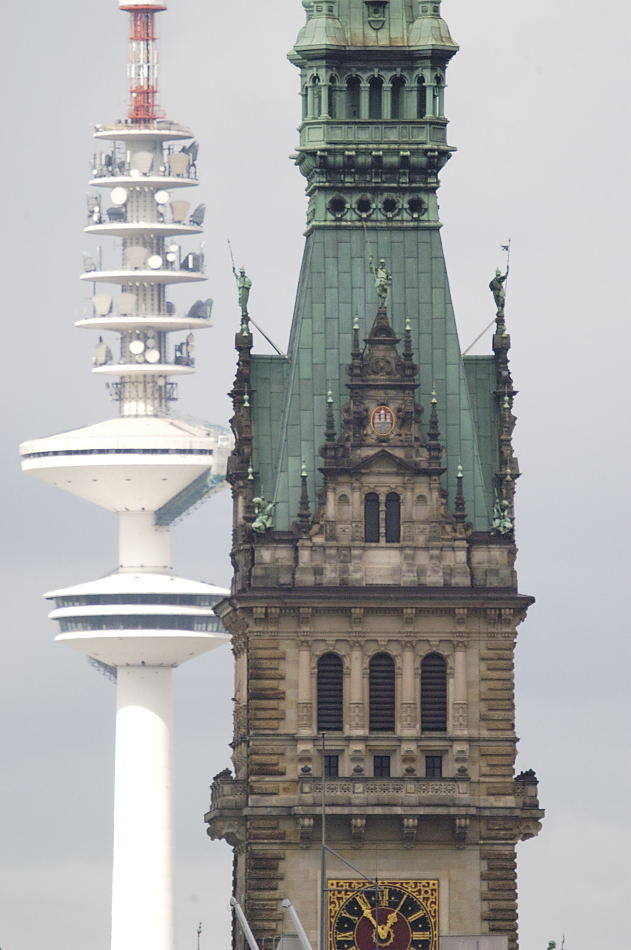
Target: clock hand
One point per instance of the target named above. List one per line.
(367, 909)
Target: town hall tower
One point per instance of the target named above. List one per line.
(374, 607)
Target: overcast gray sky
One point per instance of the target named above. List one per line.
(538, 99)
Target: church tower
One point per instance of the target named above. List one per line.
(375, 607)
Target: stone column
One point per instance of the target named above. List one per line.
(460, 715)
(409, 719)
(364, 98)
(357, 725)
(305, 692)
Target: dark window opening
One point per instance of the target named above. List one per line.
(375, 98)
(371, 518)
(393, 518)
(398, 94)
(381, 692)
(433, 766)
(331, 766)
(434, 693)
(353, 97)
(330, 689)
(316, 103)
(381, 766)
(331, 104)
(421, 99)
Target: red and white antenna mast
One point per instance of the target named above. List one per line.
(143, 60)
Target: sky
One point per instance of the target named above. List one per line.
(538, 100)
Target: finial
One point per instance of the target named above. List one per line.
(408, 325)
(304, 508)
(507, 402)
(246, 401)
(250, 473)
(434, 398)
(329, 430)
(460, 514)
(356, 323)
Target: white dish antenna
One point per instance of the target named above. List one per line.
(118, 196)
(136, 347)
(162, 197)
(152, 356)
(155, 262)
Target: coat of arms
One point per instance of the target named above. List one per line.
(377, 13)
(382, 420)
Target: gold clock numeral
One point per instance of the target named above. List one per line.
(349, 935)
(384, 896)
(420, 913)
(420, 935)
(363, 902)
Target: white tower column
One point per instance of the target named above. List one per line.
(142, 901)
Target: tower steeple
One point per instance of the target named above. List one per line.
(386, 617)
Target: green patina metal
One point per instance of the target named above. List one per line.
(372, 144)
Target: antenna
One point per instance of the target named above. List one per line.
(143, 60)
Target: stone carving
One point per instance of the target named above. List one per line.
(305, 715)
(410, 827)
(460, 717)
(461, 831)
(502, 523)
(305, 831)
(358, 830)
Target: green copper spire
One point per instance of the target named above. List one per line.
(373, 141)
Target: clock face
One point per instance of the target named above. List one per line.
(396, 915)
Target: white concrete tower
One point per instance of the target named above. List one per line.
(148, 467)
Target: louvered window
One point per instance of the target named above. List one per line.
(330, 693)
(381, 686)
(371, 518)
(393, 518)
(331, 766)
(434, 693)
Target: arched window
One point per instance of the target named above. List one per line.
(330, 693)
(393, 518)
(381, 693)
(353, 97)
(305, 102)
(434, 693)
(421, 98)
(371, 518)
(398, 98)
(375, 98)
(332, 90)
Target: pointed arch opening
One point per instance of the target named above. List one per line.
(330, 693)
(434, 693)
(381, 688)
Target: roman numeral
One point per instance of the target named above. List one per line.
(348, 935)
(420, 935)
(420, 913)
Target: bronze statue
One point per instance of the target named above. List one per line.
(498, 289)
(245, 285)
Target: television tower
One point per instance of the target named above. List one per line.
(147, 466)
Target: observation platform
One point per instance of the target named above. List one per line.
(158, 182)
(162, 131)
(144, 369)
(145, 276)
(144, 322)
(135, 228)
(131, 463)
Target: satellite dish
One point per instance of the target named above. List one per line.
(171, 257)
(152, 356)
(174, 248)
(151, 343)
(155, 262)
(162, 197)
(136, 347)
(119, 196)
(102, 304)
